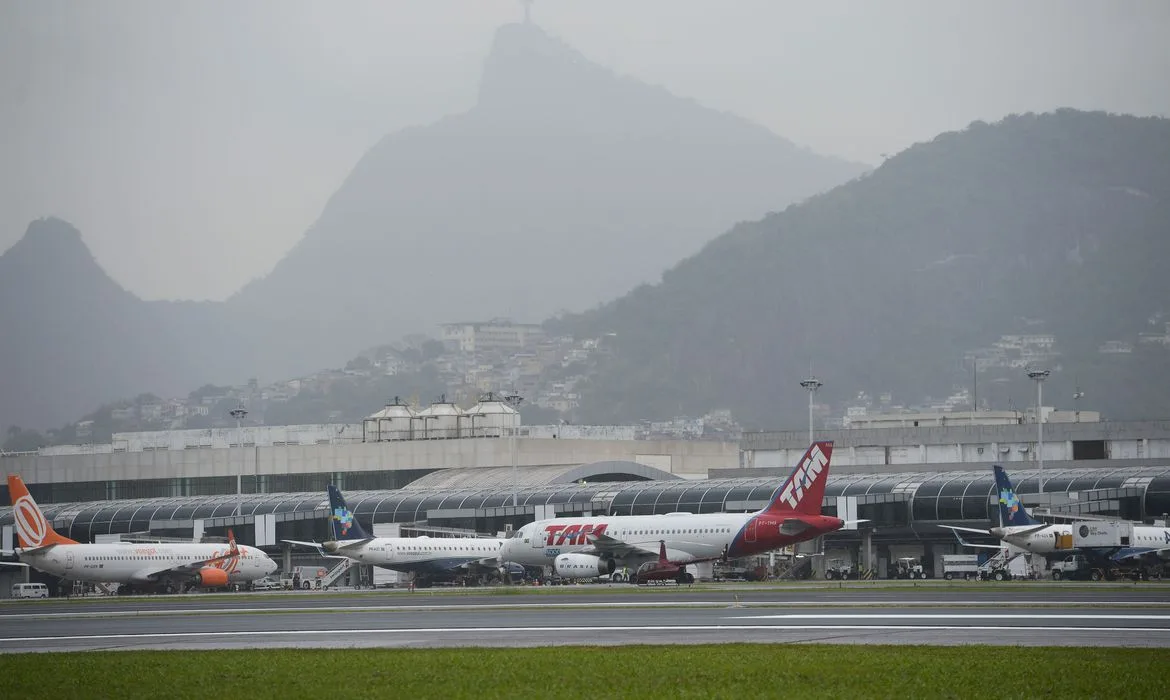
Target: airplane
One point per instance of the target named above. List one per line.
(590, 547)
(662, 570)
(427, 558)
(1021, 530)
(135, 566)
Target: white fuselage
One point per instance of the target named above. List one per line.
(688, 537)
(421, 553)
(1058, 538)
(124, 562)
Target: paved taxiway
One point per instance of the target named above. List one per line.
(1003, 615)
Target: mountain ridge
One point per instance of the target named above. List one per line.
(581, 192)
(962, 245)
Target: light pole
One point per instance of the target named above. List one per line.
(1038, 376)
(514, 400)
(1077, 396)
(811, 385)
(238, 413)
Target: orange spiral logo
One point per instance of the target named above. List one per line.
(31, 525)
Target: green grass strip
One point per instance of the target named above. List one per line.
(707, 671)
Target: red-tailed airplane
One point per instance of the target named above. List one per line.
(597, 546)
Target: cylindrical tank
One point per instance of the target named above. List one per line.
(394, 422)
(439, 420)
(491, 417)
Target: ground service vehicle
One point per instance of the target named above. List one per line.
(839, 570)
(267, 583)
(907, 567)
(964, 566)
(30, 590)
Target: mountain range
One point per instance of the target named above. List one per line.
(564, 186)
(1055, 224)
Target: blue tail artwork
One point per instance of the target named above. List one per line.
(1011, 511)
(342, 520)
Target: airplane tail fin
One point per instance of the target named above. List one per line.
(1011, 510)
(32, 529)
(342, 521)
(804, 489)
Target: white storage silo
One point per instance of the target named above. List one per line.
(440, 420)
(394, 422)
(491, 417)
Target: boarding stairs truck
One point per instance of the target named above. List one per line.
(342, 567)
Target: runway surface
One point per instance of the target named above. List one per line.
(1077, 616)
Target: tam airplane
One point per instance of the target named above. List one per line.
(599, 545)
(1020, 529)
(134, 565)
(425, 557)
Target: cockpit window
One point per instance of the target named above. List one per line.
(519, 533)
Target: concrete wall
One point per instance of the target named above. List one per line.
(950, 435)
(690, 459)
(979, 444)
(929, 468)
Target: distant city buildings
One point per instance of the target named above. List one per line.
(476, 357)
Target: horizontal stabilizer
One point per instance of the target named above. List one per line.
(315, 545)
(965, 543)
(975, 530)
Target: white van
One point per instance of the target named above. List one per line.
(30, 590)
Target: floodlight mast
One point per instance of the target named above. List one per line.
(514, 400)
(811, 385)
(1038, 376)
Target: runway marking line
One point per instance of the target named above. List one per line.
(945, 616)
(612, 604)
(639, 628)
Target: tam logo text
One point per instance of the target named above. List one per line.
(571, 534)
(804, 476)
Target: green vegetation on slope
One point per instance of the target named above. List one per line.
(736, 671)
(1052, 223)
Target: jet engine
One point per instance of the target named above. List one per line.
(582, 566)
(211, 577)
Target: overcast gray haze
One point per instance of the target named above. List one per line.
(193, 143)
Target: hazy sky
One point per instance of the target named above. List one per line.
(193, 142)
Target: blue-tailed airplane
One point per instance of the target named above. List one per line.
(1021, 530)
(427, 558)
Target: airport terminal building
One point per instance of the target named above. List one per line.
(904, 480)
